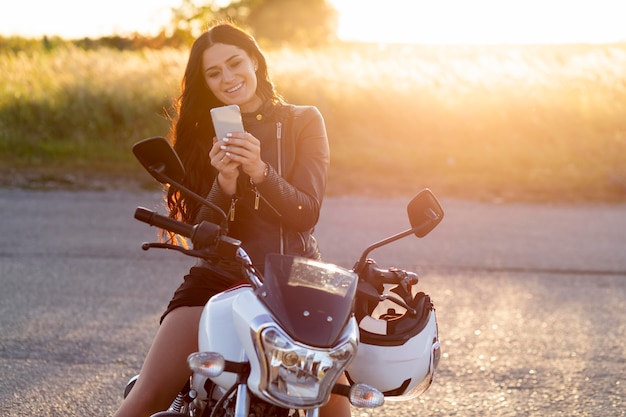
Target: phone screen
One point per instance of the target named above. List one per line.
(226, 119)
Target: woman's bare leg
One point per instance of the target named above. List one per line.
(338, 406)
(165, 369)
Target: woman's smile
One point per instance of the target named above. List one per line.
(235, 88)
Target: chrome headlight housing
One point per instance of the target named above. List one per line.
(297, 375)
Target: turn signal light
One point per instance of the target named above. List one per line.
(365, 396)
(209, 364)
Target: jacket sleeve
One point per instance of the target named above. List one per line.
(297, 195)
(220, 199)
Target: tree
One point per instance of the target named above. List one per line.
(297, 22)
(189, 20)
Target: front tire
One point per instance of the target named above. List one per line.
(130, 385)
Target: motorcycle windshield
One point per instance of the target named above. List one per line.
(311, 300)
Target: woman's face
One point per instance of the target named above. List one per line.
(230, 73)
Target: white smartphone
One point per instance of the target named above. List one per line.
(226, 119)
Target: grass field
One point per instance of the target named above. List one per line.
(529, 123)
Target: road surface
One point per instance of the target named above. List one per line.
(531, 301)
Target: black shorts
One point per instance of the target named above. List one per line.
(201, 284)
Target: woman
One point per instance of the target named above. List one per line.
(270, 180)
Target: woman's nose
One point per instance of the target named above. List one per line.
(228, 75)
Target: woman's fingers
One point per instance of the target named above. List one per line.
(238, 149)
(241, 143)
(243, 148)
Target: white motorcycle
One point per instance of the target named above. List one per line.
(277, 345)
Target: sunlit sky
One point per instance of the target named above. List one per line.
(433, 21)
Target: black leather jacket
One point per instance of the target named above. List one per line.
(280, 214)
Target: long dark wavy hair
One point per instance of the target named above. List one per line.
(192, 130)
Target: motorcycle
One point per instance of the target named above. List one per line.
(277, 344)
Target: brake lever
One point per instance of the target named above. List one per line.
(401, 303)
(195, 253)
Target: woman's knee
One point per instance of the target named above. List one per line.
(165, 370)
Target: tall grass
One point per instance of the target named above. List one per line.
(525, 122)
(83, 107)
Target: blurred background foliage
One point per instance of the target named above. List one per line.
(298, 23)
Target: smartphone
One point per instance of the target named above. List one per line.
(226, 119)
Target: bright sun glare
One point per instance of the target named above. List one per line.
(406, 21)
(482, 21)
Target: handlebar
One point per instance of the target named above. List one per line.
(372, 278)
(202, 235)
(153, 219)
(371, 273)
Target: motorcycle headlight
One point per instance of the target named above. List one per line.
(296, 375)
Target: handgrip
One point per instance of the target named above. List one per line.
(153, 219)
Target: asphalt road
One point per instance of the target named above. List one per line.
(531, 301)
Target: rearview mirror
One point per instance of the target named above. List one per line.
(425, 212)
(159, 158)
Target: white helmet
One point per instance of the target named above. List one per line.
(398, 352)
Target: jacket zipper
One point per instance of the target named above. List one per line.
(231, 211)
(257, 194)
(279, 136)
(258, 197)
(279, 133)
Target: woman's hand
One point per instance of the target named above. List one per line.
(237, 150)
(228, 170)
(244, 150)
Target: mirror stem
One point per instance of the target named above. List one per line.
(390, 239)
(158, 173)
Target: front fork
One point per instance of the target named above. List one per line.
(242, 405)
(313, 412)
(183, 404)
